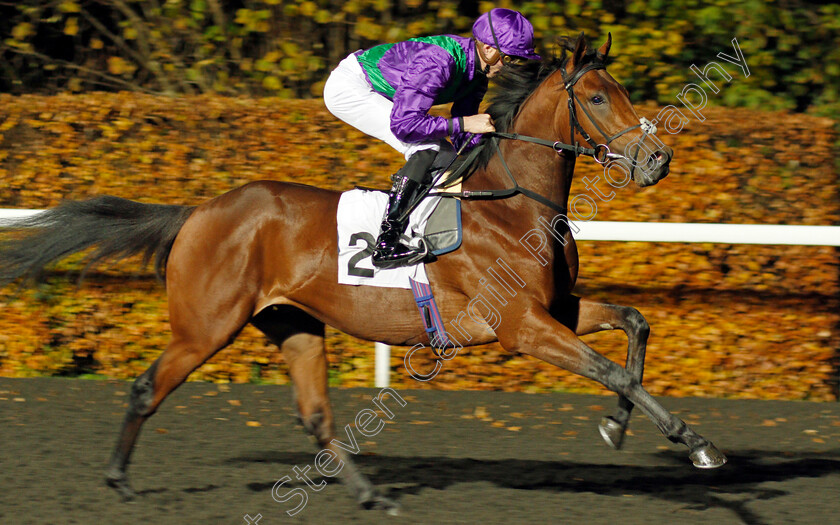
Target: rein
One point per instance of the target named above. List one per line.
(507, 192)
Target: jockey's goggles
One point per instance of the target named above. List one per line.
(511, 60)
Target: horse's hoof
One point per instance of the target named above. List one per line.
(707, 457)
(378, 502)
(122, 487)
(612, 432)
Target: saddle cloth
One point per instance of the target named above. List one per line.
(359, 216)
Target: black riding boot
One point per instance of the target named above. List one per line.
(390, 252)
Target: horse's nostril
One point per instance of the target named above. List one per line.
(657, 158)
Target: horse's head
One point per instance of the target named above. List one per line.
(600, 113)
(586, 105)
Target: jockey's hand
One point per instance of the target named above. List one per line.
(481, 123)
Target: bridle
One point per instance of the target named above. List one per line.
(569, 82)
(600, 152)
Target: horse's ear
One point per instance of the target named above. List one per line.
(580, 50)
(604, 50)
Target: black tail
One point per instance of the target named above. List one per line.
(119, 228)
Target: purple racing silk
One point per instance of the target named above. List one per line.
(421, 72)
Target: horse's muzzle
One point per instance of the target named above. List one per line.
(656, 168)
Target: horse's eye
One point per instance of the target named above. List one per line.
(597, 99)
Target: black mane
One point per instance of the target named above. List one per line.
(515, 84)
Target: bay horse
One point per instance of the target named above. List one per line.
(265, 253)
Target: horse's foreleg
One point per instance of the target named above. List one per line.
(585, 316)
(544, 337)
(301, 338)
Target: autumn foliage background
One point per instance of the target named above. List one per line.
(211, 108)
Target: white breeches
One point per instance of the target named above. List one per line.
(349, 97)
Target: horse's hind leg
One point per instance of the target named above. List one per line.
(585, 316)
(195, 338)
(301, 338)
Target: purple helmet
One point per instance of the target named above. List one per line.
(514, 34)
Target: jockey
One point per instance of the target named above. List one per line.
(387, 91)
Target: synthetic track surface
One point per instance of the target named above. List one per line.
(446, 457)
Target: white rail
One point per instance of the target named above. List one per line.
(382, 365)
(713, 233)
(11, 214)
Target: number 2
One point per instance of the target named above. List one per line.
(368, 251)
